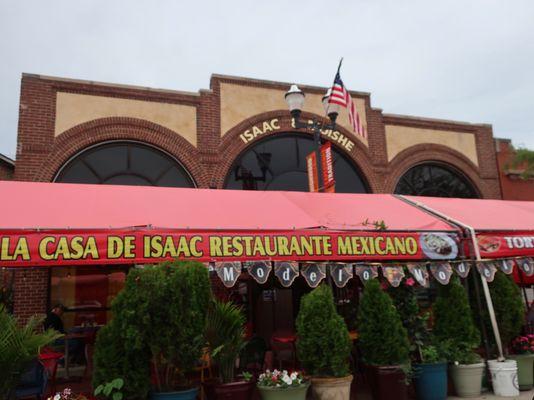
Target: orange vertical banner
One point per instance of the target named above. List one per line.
(313, 178)
(327, 165)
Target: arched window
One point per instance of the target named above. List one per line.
(435, 180)
(279, 163)
(125, 163)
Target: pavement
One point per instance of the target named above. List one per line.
(522, 396)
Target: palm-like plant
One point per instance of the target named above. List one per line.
(225, 334)
(19, 345)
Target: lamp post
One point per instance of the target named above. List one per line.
(295, 101)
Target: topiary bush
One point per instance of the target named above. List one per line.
(508, 305)
(323, 344)
(383, 339)
(160, 318)
(453, 319)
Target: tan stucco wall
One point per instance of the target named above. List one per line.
(74, 109)
(400, 138)
(241, 102)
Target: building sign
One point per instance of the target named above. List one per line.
(273, 125)
(366, 272)
(311, 167)
(505, 245)
(145, 246)
(420, 273)
(487, 269)
(462, 268)
(506, 266)
(327, 167)
(393, 274)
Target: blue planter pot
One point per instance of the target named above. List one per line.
(430, 381)
(190, 394)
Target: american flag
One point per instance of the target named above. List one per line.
(340, 95)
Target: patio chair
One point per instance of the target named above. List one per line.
(32, 382)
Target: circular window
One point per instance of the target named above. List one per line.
(279, 163)
(435, 181)
(125, 163)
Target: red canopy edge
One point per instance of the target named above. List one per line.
(504, 228)
(53, 224)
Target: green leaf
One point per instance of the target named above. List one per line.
(117, 383)
(99, 389)
(117, 396)
(107, 390)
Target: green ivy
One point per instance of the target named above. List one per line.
(383, 339)
(323, 344)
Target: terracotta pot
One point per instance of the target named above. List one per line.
(331, 388)
(387, 382)
(241, 390)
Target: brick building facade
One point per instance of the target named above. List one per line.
(514, 185)
(206, 132)
(7, 168)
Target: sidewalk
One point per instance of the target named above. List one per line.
(490, 396)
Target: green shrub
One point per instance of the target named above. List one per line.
(114, 357)
(508, 305)
(161, 317)
(323, 344)
(382, 338)
(405, 301)
(453, 319)
(19, 345)
(225, 335)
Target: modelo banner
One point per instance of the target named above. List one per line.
(501, 245)
(139, 246)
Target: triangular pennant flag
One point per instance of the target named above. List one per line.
(526, 265)
(286, 272)
(506, 266)
(487, 269)
(393, 274)
(462, 268)
(341, 273)
(420, 273)
(228, 272)
(442, 272)
(366, 272)
(314, 273)
(259, 270)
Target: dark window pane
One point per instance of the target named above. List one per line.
(436, 181)
(279, 163)
(122, 163)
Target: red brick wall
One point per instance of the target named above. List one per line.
(512, 185)
(6, 171)
(40, 154)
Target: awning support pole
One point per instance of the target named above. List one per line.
(485, 286)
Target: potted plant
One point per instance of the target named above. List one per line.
(225, 335)
(324, 345)
(426, 355)
(281, 385)
(455, 329)
(523, 354)
(160, 316)
(384, 343)
(19, 346)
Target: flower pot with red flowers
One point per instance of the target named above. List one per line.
(384, 344)
(324, 345)
(282, 385)
(225, 333)
(523, 354)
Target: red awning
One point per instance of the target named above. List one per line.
(504, 228)
(50, 224)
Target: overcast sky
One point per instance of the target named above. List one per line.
(466, 60)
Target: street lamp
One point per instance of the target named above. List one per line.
(295, 101)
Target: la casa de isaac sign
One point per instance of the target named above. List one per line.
(277, 125)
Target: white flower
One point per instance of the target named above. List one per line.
(57, 397)
(293, 375)
(287, 379)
